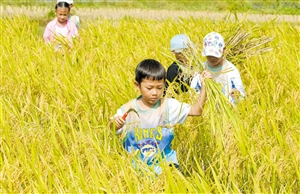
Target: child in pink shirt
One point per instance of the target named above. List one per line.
(60, 26)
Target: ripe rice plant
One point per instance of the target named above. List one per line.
(55, 110)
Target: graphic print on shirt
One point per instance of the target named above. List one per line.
(147, 133)
(150, 141)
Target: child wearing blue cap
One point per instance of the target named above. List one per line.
(213, 50)
(180, 72)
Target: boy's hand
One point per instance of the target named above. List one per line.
(235, 93)
(119, 122)
(205, 75)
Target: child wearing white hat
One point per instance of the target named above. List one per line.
(73, 18)
(213, 50)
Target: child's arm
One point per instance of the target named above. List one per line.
(196, 82)
(118, 121)
(237, 87)
(197, 108)
(76, 31)
(73, 31)
(47, 34)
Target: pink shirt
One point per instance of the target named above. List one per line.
(50, 30)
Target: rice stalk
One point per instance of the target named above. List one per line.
(55, 109)
(240, 45)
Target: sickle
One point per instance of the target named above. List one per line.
(128, 111)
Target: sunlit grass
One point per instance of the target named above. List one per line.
(55, 109)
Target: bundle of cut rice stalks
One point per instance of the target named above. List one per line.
(220, 115)
(241, 45)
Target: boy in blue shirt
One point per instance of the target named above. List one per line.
(149, 133)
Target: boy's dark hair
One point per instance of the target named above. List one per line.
(63, 4)
(150, 69)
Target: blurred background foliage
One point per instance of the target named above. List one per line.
(252, 6)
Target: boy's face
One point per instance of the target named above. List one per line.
(151, 90)
(214, 61)
(62, 14)
(182, 56)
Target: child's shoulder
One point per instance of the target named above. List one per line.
(173, 65)
(228, 64)
(169, 101)
(172, 105)
(75, 19)
(52, 22)
(234, 72)
(71, 24)
(129, 104)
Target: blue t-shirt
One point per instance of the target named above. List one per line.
(150, 133)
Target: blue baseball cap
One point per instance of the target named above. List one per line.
(180, 42)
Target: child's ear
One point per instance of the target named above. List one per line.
(224, 49)
(137, 85)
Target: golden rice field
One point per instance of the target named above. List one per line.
(55, 109)
(38, 12)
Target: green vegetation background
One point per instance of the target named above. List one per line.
(252, 6)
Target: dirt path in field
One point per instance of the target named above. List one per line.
(92, 14)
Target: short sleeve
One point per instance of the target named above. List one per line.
(177, 111)
(196, 82)
(236, 82)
